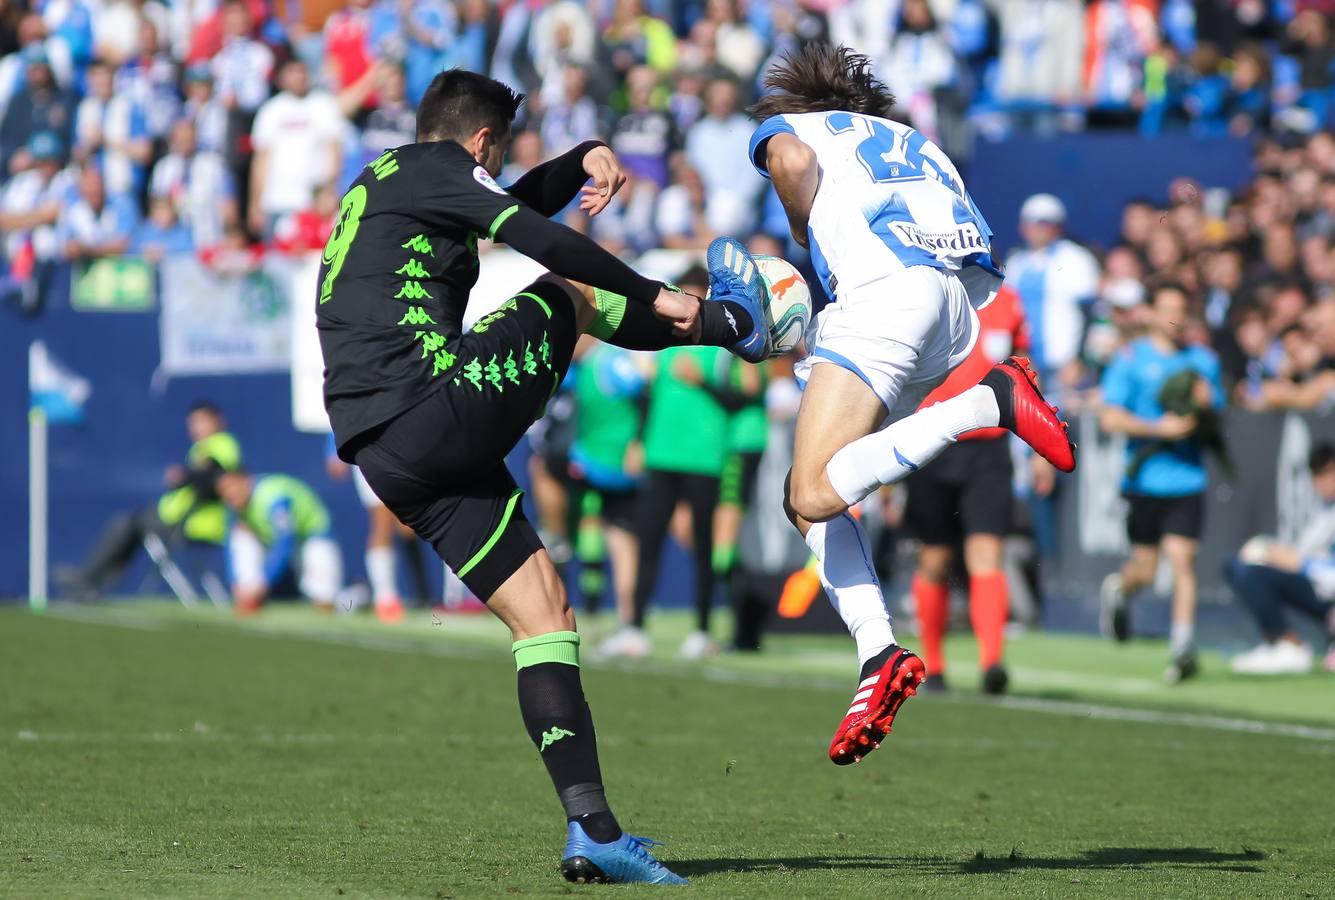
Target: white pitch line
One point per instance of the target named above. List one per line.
(746, 678)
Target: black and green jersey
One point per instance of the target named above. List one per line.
(402, 258)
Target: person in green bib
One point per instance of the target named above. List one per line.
(190, 508)
(748, 429)
(685, 450)
(279, 526)
(605, 465)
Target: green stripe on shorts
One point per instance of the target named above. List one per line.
(495, 535)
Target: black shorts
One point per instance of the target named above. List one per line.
(737, 485)
(1148, 518)
(440, 466)
(615, 508)
(966, 490)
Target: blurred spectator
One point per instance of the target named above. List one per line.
(298, 140)
(198, 185)
(1162, 393)
(1267, 576)
(572, 117)
(161, 233)
(1120, 35)
(1055, 277)
(39, 106)
(242, 65)
(645, 136)
(347, 45)
(737, 46)
(392, 123)
(921, 65)
(634, 38)
(30, 205)
(96, 224)
(149, 79)
(204, 108)
(308, 230)
(680, 219)
(563, 38)
(1041, 49)
(111, 132)
(716, 147)
(1118, 318)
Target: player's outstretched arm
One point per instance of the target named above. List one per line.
(550, 187)
(796, 174)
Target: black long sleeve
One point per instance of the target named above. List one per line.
(548, 188)
(571, 255)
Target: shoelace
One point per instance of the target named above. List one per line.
(639, 846)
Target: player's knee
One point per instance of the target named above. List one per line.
(813, 500)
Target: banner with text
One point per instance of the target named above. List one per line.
(217, 321)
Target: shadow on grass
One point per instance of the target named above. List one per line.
(981, 864)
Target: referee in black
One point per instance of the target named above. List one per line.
(429, 411)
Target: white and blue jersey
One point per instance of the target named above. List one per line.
(1133, 382)
(1054, 284)
(889, 199)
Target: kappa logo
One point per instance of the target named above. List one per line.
(483, 177)
(552, 735)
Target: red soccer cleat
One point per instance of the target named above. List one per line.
(1025, 412)
(878, 698)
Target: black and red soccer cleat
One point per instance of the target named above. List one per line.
(1025, 412)
(888, 679)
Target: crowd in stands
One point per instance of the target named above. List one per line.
(152, 128)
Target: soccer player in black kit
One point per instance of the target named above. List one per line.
(429, 411)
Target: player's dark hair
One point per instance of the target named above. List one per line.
(1321, 458)
(821, 78)
(458, 102)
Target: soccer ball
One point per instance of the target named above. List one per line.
(788, 301)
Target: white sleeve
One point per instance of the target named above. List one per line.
(1072, 280)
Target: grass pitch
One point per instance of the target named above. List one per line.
(150, 751)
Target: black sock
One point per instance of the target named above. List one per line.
(870, 666)
(558, 721)
(1000, 384)
(635, 326)
(723, 323)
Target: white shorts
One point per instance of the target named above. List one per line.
(364, 492)
(901, 334)
(319, 565)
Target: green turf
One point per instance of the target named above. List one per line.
(186, 755)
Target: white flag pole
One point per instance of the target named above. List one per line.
(37, 504)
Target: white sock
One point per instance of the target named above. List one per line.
(1181, 637)
(380, 572)
(900, 449)
(851, 583)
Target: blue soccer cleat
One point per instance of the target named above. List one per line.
(626, 860)
(733, 275)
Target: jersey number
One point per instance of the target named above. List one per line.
(341, 238)
(887, 155)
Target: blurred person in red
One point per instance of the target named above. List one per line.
(308, 229)
(966, 495)
(347, 45)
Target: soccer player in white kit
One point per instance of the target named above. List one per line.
(901, 247)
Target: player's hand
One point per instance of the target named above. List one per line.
(173, 476)
(1173, 427)
(682, 310)
(605, 169)
(632, 463)
(1284, 558)
(337, 468)
(1202, 394)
